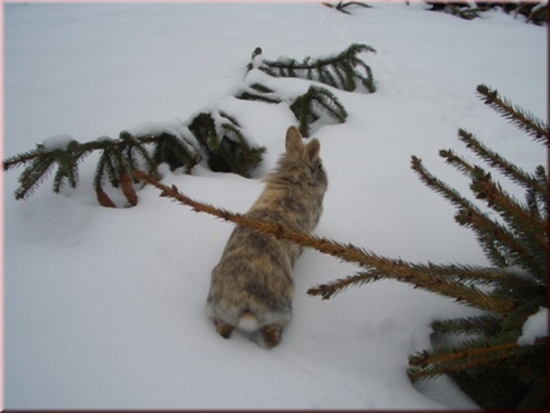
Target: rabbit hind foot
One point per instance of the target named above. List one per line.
(272, 335)
(223, 328)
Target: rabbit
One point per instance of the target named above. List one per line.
(252, 286)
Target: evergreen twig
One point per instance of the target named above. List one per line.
(341, 5)
(534, 12)
(342, 71)
(225, 144)
(383, 267)
(506, 167)
(469, 325)
(534, 127)
(498, 242)
(310, 106)
(471, 355)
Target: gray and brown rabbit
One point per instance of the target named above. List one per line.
(251, 287)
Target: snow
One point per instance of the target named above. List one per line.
(104, 308)
(57, 142)
(535, 327)
(174, 127)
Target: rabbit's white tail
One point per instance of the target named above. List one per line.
(248, 322)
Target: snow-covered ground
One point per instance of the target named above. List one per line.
(104, 308)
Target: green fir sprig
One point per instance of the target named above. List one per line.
(212, 135)
(342, 6)
(313, 105)
(346, 70)
(491, 364)
(224, 145)
(522, 119)
(534, 11)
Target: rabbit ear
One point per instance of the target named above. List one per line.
(312, 150)
(294, 140)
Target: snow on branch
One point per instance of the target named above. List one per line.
(213, 135)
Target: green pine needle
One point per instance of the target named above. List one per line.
(342, 71)
(525, 121)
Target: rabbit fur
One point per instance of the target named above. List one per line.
(251, 287)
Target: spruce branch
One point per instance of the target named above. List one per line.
(516, 215)
(513, 213)
(342, 71)
(22, 158)
(221, 138)
(415, 276)
(435, 275)
(535, 12)
(479, 354)
(495, 160)
(518, 243)
(257, 91)
(67, 170)
(224, 143)
(458, 162)
(176, 152)
(534, 127)
(487, 323)
(383, 267)
(466, 13)
(35, 174)
(310, 106)
(500, 243)
(135, 149)
(342, 5)
(517, 318)
(329, 290)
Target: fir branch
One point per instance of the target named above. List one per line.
(493, 237)
(258, 92)
(175, 151)
(542, 198)
(516, 241)
(67, 170)
(414, 275)
(440, 187)
(517, 318)
(35, 174)
(329, 290)
(227, 150)
(515, 214)
(458, 162)
(134, 147)
(392, 269)
(341, 5)
(536, 397)
(470, 355)
(488, 324)
(348, 253)
(483, 276)
(76, 148)
(107, 167)
(534, 12)
(500, 245)
(495, 160)
(345, 65)
(460, 276)
(22, 158)
(536, 128)
(466, 13)
(115, 162)
(309, 107)
(119, 156)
